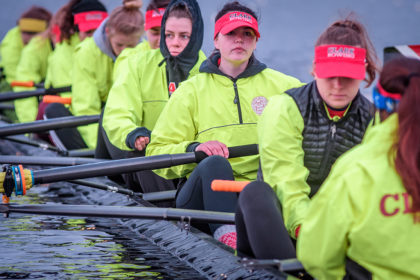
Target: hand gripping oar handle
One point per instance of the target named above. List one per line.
(234, 152)
(11, 95)
(116, 167)
(130, 212)
(45, 125)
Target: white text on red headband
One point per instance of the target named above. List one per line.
(341, 52)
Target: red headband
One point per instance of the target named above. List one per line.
(340, 61)
(233, 20)
(154, 18)
(89, 20)
(383, 92)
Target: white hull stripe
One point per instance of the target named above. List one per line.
(407, 51)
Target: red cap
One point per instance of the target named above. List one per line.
(233, 20)
(340, 61)
(89, 20)
(154, 18)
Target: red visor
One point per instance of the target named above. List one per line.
(89, 20)
(340, 61)
(154, 18)
(233, 20)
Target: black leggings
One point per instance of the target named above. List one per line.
(70, 138)
(141, 181)
(197, 193)
(259, 224)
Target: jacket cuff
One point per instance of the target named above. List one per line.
(191, 147)
(132, 136)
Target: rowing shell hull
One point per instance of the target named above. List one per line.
(200, 251)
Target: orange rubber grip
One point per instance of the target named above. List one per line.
(22, 175)
(5, 199)
(22, 84)
(56, 99)
(228, 186)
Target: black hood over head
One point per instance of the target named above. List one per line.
(179, 67)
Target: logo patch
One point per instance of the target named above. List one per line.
(258, 104)
(172, 87)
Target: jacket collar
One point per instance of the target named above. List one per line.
(210, 66)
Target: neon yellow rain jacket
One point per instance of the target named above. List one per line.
(92, 80)
(10, 51)
(211, 106)
(361, 213)
(138, 96)
(60, 64)
(32, 67)
(127, 52)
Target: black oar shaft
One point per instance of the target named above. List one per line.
(26, 141)
(122, 212)
(50, 161)
(30, 93)
(45, 125)
(116, 167)
(104, 187)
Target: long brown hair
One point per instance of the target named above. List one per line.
(351, 32)
(402, 75)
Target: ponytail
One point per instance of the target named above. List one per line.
(402, 75)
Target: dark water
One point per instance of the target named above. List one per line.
(48, 247)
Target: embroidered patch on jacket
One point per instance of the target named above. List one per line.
(258, 104)
(171, 87)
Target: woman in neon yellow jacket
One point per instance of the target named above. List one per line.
(143, 88)
(218, 108)
(78, 19)
(31, 22)
(33, 65)
(300, 136)
(367, 211)
(93, 64)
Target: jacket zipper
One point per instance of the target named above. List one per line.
(237, 102)
(331, 136)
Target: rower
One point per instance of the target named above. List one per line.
(364, 200)
(31, 22)
(93, 62)
(219, 107)
(145, 84)
(300, 135)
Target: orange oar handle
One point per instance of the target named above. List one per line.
(22, 84)
(228, 186)
(56, 99)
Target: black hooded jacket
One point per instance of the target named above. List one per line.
(178, 67)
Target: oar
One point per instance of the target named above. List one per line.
(7, 106)
(45, 125)
(46, 146)
(6, 96)
(26, 141)
(287, 265)
(49, 161)
(130, 212)
(25, 179)
(116, 167)
(151, 197)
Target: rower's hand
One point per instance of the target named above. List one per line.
(213, 148)
(141, 142)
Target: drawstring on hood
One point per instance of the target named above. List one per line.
(179, 67)
(102, 40)
(210, 65)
